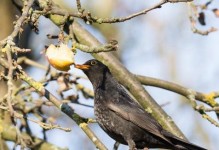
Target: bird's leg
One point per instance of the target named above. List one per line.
(116, 145)
(131, 144)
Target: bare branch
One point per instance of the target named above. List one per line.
(191, 95)
(193, 13)
(9, 82)
(79, 5)
(200, 109)
(49, 126)
(205, 98)
(18, 25)
(89, 18)
(130, 82)
(116, 20)
(111, 46)
(64, 107)
(9, 133)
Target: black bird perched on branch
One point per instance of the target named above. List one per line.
(122, 118)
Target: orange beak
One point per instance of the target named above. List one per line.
(82, 67)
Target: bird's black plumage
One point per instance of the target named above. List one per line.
(124, 119)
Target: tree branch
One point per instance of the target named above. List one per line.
(200, 108)
(18, 24)
(208, 99)
(64, 107)
(89, 18)
(9, 134)
(9, 81)
(111, 46)
(193, 13)
(205, 98)
(128, 80)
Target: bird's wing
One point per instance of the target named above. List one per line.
(131, 111)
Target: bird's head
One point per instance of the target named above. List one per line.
(95, 70)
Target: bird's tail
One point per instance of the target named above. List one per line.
(182, 144)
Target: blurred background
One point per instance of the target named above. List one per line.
(159, 44)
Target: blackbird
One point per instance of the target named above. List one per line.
(122, 118)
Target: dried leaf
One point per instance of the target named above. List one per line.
(201, 18)
(216, 12)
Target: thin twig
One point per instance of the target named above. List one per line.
(8, 48)
(9, 82)
(30, 62)
(89, 18)
(211, 109)
(9, 133)
(19, 24)
(116, 20)
(191, 97)
(192, 15)
(64, 107)
(80, 87)
(79, 6)
(130, 82)
(49, 126)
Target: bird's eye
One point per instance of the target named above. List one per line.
(93, 62)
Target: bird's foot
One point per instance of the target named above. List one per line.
(131, 144)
